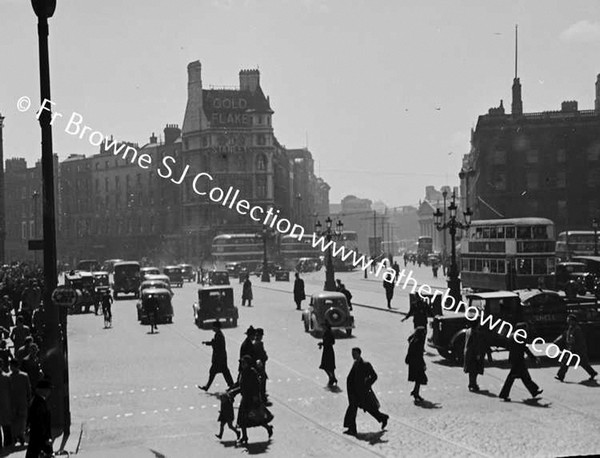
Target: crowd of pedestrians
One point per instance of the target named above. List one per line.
(250, 384)
(24, 415)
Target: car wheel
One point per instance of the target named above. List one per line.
(305, 325)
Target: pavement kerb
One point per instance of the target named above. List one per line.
(373, 307)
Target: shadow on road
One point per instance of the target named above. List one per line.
(536, 403)
(371, 438)
(157, 454)
(591, 383)
(486, 393)
(333, 389)
(425, 404)
(256, 448)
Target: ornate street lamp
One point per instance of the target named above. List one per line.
(452, 225)
(595, 227)
(329, 234)
(265, 234)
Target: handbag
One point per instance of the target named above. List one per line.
(260, 415)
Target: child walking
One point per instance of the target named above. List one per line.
(226, 415)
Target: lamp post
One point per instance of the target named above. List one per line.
(595, 227)
(452, 225)
(34, 197)
(329, 234)
(445, 249)
(265, 233)
(55, 345)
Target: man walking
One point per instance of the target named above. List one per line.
(219, 358)
(419, 310)
(518, 368)
(360, 394)
(299, 293)
(573, 340)
(40, 435)
(20, 394)
(261, 362)
(389, 292)
(247, 347)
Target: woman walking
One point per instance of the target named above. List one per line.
(415, 361)
(328, 354)
(252, 411)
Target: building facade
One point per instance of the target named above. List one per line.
(536, 164)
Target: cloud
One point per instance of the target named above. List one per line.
(582, 32)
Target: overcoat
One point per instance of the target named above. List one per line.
(219, 353)
(415, 361)
(474, 351)
(299, 293)
(328, 354)
(358, 385)
(247, 290)
(573, 339)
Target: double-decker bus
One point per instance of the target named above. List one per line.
(424, 248)
(236, 247)
(575, 243)
(348, 239)
(507, 254)
(292, 249)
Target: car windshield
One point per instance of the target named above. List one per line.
(338, 303)
(212, 299)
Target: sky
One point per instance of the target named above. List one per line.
(384, 92)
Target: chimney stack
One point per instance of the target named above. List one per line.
(172, 133)
(249, 80)
(153, 139)
(193, 119)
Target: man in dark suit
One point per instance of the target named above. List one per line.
(219, 358)
(247, 347)
(573, 340)
(358, 384)
(40, 435)
(299, 293)
(518, 367)
(419, 310)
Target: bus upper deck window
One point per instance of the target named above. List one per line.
(493, 233)
(510, 232)
(540, 232)
(478, 232)
(486, 233)
(500, 232)
(524, 232)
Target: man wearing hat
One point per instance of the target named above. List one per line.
(219, 358)
(573, 340)
(40, 436)
(247, 347)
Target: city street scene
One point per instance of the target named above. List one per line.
(311, 228)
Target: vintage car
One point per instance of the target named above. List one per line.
(187, 272)
(109, 265)
(215, 278)
(144, 271)
(308, 264)
(88, 265)
(282, 275)
(126, 278)
(235, 268)
(165, 307)
(573, 278)
(156, 283)
(331, 307)
(83, 283)
(175, 275)
(215, 303)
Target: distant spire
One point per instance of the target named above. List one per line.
(516, 48)
(517, 102)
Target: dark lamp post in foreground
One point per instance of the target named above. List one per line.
(452, 225)
(54, 347)
(595, 225)
(265, 233)
(329, 234)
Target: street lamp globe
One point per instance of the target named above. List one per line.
(339, 226)
(468, 215)
(328, 222)
(437, 217)
(318, 226)
(452, 207)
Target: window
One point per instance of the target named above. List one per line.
(24, 230)
(524, 232)
(118, 182)
(561, 156)
(532, 180)
(486, 233)
(540, 232)
(561, 179)
(539, 266)
(510, 232)
(500, 232)
(593, 178)
(524, 266)
(32, 233)
(261, 139)
(261, 162)
(531, 157)
(97, 166)
(260, 119)
(261, 187)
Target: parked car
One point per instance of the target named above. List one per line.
(187, 272)
(331, 307)
(126, 278)
(144, 271)
(215, 303)
(165, 307)
(83, 283)
(175, 275)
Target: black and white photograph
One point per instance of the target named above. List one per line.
(299, 228)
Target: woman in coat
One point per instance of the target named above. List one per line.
(328, 354)
(473, 354)
(252, 411)
(415, 361)
(247, 292)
